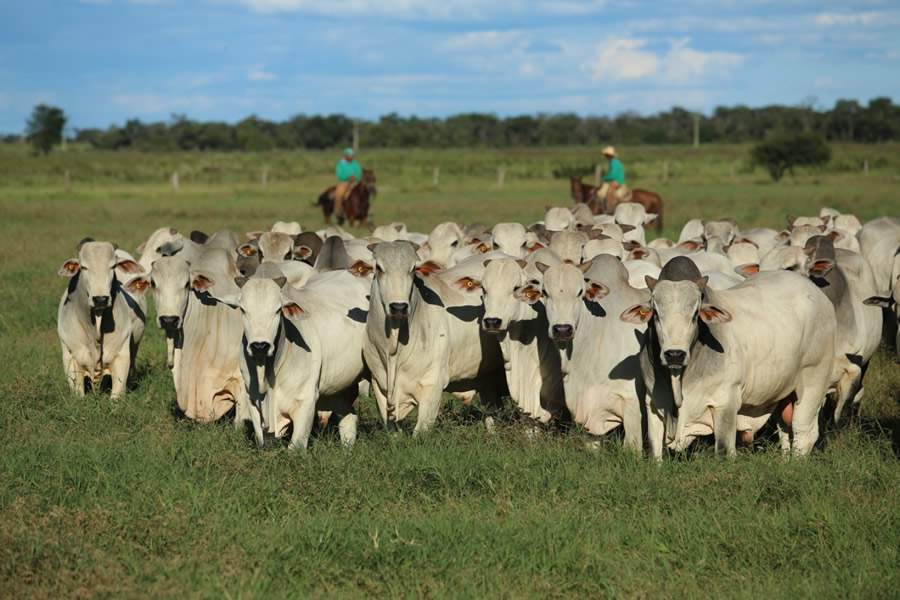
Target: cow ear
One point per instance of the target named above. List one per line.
(70, 268)
(202, 283)
(294, 311)
(821, 268)
(428, 268)
(371, 247)
(254, 235)
(142, 247)
(302, 251)
(594, 291)
(782, 235)
(130, 267)
(747, 270)
(881, 301)
(712, 315)
(637, 314)
(650, 218)
(247, 250)
(198, 237)
(487, 262)
(650, 281)
(138, 285)
(522, 263)
(834, 235)
(701, 283)
(541, 267)
(689, 245)
(586, 266)
(529, 294)
(240, 281)
(746, 241)
(280, 281)
(627, 228)
(638, 254)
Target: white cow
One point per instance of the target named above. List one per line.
(513, 313)
(599, 354)
(424, 337)
(736, 356)
(510, 238)
(100, 320)
(302, 351)
(206, 362)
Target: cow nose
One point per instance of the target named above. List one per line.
(563, 332)
(260, 348)
(100, 301)
(169, 323)
(492, 323)
(398, 309)
(675, 357)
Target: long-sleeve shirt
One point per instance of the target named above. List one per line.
(616, 172)
(347, 169)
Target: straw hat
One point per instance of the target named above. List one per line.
(609, 151)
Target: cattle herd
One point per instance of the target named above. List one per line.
(577, 318)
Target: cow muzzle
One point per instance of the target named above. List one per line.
(562, 333)
(99, 304)
(398, 310)
(260, 350)
(169, 323)
(675, 360)
(492, 325)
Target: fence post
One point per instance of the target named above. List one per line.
(865, 166)
(265, 176)
(175, 181)
(436, 176)
(68, 181)
(598, 174)
(501, 176)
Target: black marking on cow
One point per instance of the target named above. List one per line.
(467, 313)
(428, 294)
(357, 314)
(594, 308)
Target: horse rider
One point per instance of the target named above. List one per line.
(348, 172)
(613, 179)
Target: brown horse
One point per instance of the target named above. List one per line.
(355, 207)
(582, 192)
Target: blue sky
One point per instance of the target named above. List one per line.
(104, 61)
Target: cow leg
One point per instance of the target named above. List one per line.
(805, 418)
(381, 401)
(428, 397)
(631, 422)
(74, 375)
(725, 428)
(847, 388)
(656, 430)
(303, 414)
(256, 420)
(118, 372)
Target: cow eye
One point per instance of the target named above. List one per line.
(454, 244)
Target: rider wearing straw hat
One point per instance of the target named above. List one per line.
(614, 179)
(348, 172)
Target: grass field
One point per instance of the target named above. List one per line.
(102, 498)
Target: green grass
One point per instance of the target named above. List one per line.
(102, 498)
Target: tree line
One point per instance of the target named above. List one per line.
(847, 120)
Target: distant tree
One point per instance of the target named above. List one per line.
(784, 151)
(44, 128)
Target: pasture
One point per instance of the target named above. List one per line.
(103, 498)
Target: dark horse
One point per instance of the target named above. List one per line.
(355, 208)
(583, 192)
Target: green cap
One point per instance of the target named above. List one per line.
(348, 151)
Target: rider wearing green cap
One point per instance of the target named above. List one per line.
(348, 172)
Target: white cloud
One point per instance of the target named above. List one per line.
(572, 7)
(484, 40)
(685, 64)
(258, 73)
(630, 59)
(864, 19)
(625, 59)
(447, 9)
